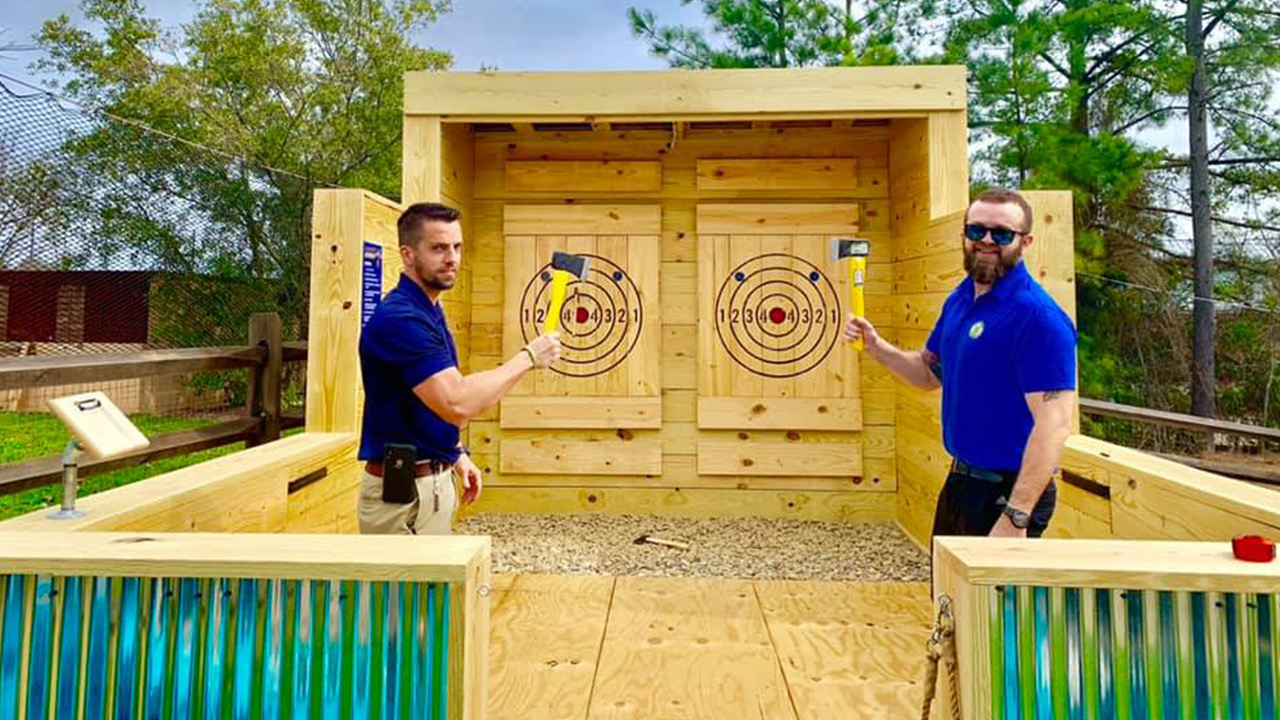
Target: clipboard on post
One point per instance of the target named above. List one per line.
(98, 425)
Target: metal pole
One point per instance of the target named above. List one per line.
(70, 482)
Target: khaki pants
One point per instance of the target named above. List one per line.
(416, 518)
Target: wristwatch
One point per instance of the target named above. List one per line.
(1019, 519)
(463, 450)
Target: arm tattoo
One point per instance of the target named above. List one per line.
(1051, 395)
(933, 361)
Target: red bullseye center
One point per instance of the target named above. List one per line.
(777, 315)
(580, 315)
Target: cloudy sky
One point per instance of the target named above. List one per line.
(506, 34)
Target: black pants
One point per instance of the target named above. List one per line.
(970, 506)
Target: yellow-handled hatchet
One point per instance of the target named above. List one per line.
(563, 266)
(853, 253)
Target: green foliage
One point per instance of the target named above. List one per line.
(287, 95)
(778, 33)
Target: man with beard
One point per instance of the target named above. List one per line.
(1003, 353)
(415, 398)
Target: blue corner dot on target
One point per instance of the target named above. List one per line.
(546, 277)
(739, 276)
(617, 274)
(813, 276)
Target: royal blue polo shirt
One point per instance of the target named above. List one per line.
(405, 341)
(1011, 341)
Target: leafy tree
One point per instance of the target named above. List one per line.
(778, 33)
(253, 104)
(1060, 91)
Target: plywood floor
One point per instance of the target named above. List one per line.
(602, 648)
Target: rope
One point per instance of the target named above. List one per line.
(941, 650)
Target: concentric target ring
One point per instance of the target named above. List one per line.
(777, 304)
(600, 322)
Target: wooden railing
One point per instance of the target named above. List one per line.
(1263, 435)
(263, 358)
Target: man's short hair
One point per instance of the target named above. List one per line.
(417, 214)
(1000, 196)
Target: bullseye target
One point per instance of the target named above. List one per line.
(777, 315)
(600, 322)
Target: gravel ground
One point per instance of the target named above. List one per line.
(755, 548)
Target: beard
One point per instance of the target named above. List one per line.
(439, 282)
(435, 280)
(985, 270)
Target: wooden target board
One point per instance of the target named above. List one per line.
(771, 311)
(608, 375)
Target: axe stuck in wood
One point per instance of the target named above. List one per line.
(563, 265)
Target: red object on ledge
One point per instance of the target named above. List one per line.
(1253, 548)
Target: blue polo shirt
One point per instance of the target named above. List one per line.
(1011, 341)
(405, 341)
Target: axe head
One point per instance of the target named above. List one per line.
(576, 265)
(842, 248)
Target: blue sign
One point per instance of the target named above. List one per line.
(370, 281)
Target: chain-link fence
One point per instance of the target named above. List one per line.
(117, 239)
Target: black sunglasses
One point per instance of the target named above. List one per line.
(974, 232)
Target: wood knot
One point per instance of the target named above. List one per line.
(626, 434)
(748, 462)
(757, 409)
(743, 436)
(822, 409)
(792, 435)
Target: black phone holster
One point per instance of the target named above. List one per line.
(399, 474)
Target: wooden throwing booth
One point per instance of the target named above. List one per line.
(703, 373)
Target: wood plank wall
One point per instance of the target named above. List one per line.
(840, 162)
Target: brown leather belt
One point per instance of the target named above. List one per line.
(430, 467)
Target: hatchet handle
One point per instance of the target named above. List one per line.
(857, 302)
(559, 282)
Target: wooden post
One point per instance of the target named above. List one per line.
(264, 380)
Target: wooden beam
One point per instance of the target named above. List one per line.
(1121, 564)
(778, 174)
(263, 401)
(1178, 420)
(583, 176)
(774, 218)
(1228, 469)
(50, 370)
(223, 555)
(948, 162)
(729, 413)
(420, 179)
(47, 470)
(245, 491)
(541, 412)
(582, 219)
(294, 350)
(822, 90)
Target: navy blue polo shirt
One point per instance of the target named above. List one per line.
(405, 341)
(1011, 341)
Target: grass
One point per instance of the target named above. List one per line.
(24, 436)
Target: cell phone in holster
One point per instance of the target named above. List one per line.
(399, 474)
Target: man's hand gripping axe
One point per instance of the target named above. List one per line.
(853, 253)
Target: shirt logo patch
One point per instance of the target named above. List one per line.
(975, 330)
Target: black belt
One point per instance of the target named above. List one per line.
(430, 467)
(961, 467)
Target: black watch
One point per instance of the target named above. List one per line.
(463, 450)
(1019, 519)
